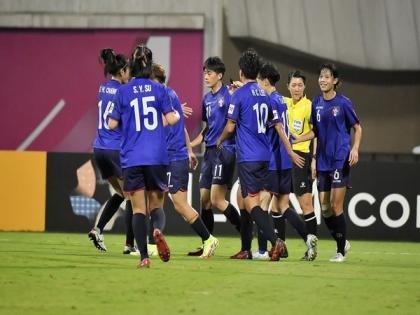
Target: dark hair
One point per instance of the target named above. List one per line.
(141, 62)
(112, 63)
(250, 63)
(333, 69)
(214, 64)
(269, 71)
(158, 73)
(296, 74)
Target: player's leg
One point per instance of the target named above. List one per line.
(134, 185)
(246, 229)
(262, 253)
(108, 165)
(302, 188)
(206, 175)
(224, 166)
(253, 176)
(156, 186)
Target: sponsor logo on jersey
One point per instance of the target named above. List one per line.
(231, 109)
(297, 125)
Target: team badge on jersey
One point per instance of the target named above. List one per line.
(275, 114)
(335, 111)
(231, 109)
(221, 102)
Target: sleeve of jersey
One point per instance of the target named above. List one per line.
(273, 113)
(115, 111)
(312, 117)
(234, 107)
(203, 111)
(166, 102)
(350, 114)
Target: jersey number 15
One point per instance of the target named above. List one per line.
(149, 122)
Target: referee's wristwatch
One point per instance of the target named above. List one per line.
(314, 156)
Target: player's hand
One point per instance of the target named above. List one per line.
(193, 160)
(233, 86)
(354, 157)
(313, 169)
(298, 160)
(219, 145)
(186, 111)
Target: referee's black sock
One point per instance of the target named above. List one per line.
(208, 219)
(279, 225)
(233, 216)
(110, 208)
(128, 217)
(199, 228)
(261, 219)
(158, 218)
(246, 230)
(340, 233)
(311, 224)
(140, 233)
(296, 221)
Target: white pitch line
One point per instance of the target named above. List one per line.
(383, 253)
(44, 123)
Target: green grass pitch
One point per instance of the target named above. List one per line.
(46, 273)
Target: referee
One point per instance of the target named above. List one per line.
(299, 113)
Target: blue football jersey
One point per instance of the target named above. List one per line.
(280, 160)
(175, 135)
(332, 121)
(214, 112)
(250, 108)
(139, 106)
(105, 137)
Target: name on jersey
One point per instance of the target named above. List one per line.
(107, 90)
(142, 88)
(258, 92)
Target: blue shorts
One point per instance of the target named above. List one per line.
(178, 175)
(108, 162)
(253, 177)
(217, 167)
(149, 177)
(279, 182)
(333, 179)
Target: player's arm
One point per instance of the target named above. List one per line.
(296, 158)
(354, 153)
(193, 159)
(171, 117)
(305, 137)
(112, 123)
(313, 161)
(227, 132)
(186, 111)
(200, 138)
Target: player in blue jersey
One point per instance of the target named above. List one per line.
(141, 106)
(280, 179)
(106, 149)
(181, 159)
(249, 110)
(218, 166)
(333, 117)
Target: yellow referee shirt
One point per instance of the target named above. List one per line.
(298, 121)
